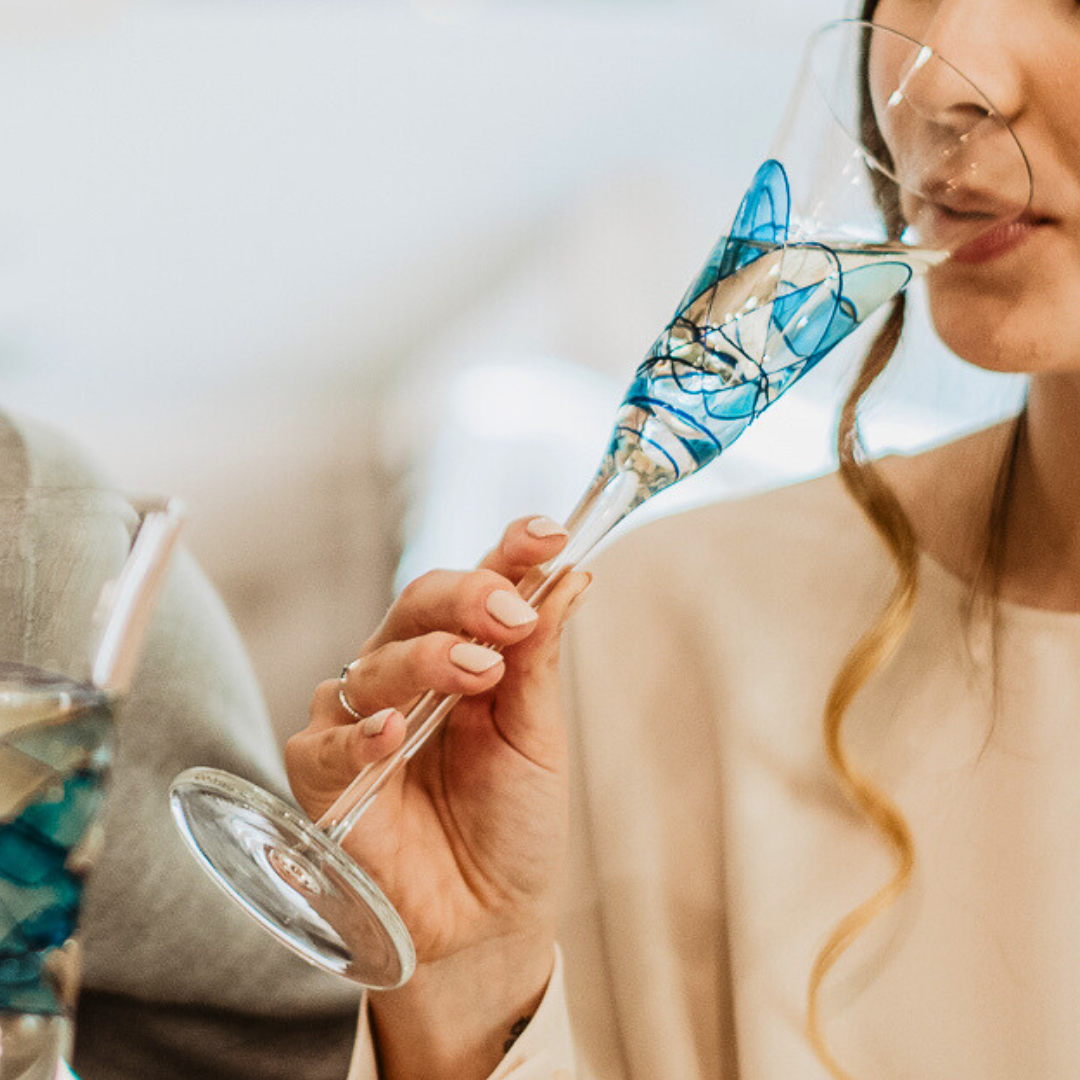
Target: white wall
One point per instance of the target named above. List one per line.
(204, 197)
(228, 229)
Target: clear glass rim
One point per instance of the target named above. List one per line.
(840, 25)
(92, 497)
(128, 586)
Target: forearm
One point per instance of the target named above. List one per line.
(453, 1020)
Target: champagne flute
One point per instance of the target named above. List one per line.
(80, 571)
(888, 160)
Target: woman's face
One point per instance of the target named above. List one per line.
(1014, 305)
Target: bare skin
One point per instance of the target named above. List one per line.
(1016, 312)
(1042, 553)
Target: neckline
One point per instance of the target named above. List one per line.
(1011, 610)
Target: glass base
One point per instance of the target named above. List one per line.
(290, 877)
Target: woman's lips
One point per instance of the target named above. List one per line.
(997, 241)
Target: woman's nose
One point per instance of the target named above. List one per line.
(945, 107)
(973, 36)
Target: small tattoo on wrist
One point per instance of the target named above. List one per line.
(515, 1033)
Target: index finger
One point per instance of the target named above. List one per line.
(526, 543)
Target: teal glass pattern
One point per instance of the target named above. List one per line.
(55, 745)
(762, 313)
(818, 244)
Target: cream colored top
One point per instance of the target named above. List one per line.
(712, 851)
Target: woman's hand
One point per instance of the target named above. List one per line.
(469, 841)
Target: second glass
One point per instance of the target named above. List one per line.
(80, 570)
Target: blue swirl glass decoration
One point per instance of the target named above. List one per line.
(762, 312)
(54, 752)
(760, 315)
(775, 296)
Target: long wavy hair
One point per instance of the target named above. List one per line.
(878, 644)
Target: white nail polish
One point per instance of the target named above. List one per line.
(474, 659)
(373, 725)
(509, 608)
(543, 527)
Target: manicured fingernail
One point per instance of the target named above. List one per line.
(509, 608)
(543, 527)
(580, 598)
(474, 659)
(373, 725)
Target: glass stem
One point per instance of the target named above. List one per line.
(609, 498)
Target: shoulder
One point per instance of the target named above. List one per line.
(34, 454)
(726, 600)
(769, 547)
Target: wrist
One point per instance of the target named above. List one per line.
(457, 1017)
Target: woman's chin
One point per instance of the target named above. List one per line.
(1014, 331)
(1012, 312)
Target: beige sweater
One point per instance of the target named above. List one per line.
(712, 851)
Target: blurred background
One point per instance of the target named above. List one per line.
(364, 279)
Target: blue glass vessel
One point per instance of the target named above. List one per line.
(79, 573)
(54, 756)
